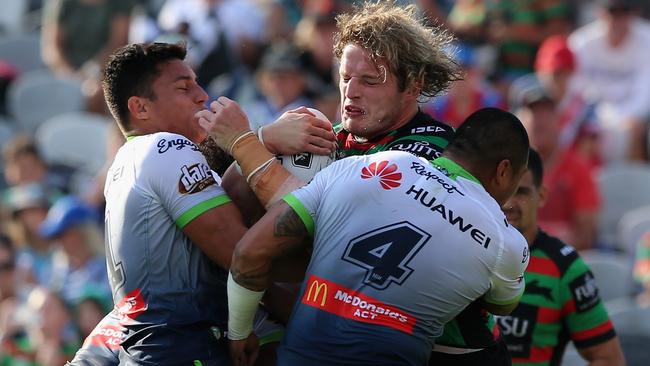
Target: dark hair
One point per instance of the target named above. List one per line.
(536, 167)
(489, 136)
(131, 71)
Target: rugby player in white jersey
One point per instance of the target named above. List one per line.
(400, 247)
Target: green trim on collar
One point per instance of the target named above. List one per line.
(131, 137)
(454, 169)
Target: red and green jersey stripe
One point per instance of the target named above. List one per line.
(560, 304)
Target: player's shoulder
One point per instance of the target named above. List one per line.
(560, 253)
(425, 125)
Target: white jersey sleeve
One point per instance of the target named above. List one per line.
(305, 201)
(507, 282)
(183, 180)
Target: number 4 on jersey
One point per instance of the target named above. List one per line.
(386, 252)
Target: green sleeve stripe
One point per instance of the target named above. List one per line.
(274, 337)
(197, 210)
(302, 212)
(587, 320)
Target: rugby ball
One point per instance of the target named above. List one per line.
(304, 166)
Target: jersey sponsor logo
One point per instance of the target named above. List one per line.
(165, 145)
(423, 170)
(566, 250)
(195, 178)
(131, 305)
(517, 329)
(525, 255)
(105, 335)
(349, 304)
(584, 292)
(419, 148)
(389, 176)
(316, 287)
(456, 220)
(427, 129)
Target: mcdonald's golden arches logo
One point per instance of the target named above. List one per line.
(316, 287)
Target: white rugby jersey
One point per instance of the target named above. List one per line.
(400, 246)
(156, 185)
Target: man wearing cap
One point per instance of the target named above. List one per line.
(612, 54)
(573, 199)
(282, 84)
(555, 67)
(77, 262)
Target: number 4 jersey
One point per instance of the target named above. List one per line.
(400, 248)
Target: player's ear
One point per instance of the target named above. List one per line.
(503, 173)
(138, 107)
(543, 194)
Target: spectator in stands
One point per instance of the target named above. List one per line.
(23, 164)
(89, 311)
(9, 300)
(467, 95)
(612, 56)
(78, 261)
(517, 28)
(52, 337)
(573, 202)
(79, 35)
(282, 84)
(555, 66)
(560, 302)
(28, 205)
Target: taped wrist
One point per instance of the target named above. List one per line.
(242, 305)
(264, 174)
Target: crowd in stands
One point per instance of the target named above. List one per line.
(574, 72)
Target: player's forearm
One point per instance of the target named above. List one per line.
(264, 174)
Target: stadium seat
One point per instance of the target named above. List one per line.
(613, 273)
(12, 16)
(624, 187)
(23, 51)
(39, 95)
(631, 228)
(75, 139)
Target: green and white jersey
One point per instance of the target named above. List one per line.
(400, 248)
(160, 280)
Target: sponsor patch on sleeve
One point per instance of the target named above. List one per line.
(195, 178)
(584, 292)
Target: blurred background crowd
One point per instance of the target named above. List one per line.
(575, 72)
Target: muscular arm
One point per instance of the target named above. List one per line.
(279, 233)
(216, 232)
(605, 354)
(241, 194)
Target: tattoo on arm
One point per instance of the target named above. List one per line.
(289, 224)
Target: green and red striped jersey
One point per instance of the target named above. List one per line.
(560, 304)
(422, 136)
